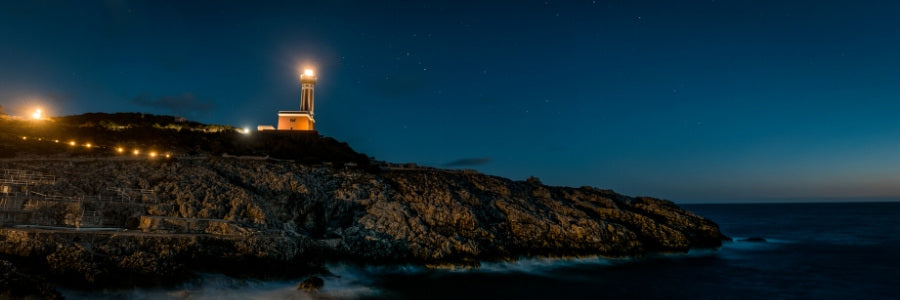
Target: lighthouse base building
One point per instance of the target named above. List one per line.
(295, 120)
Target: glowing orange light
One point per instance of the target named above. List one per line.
(37, 114)
(167, 156)
(308, 72)
(24, 137)
(88, 145)
(120, 149)
(136, 151)
(72, 143)
(153, 154)
(56, 141)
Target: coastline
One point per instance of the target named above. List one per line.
(269, 218)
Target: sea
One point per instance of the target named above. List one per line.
(794, 251)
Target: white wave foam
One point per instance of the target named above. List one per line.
(540, 266)
(343, 282)
(217, 286)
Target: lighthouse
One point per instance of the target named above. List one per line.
(303, 119)
(307, 87)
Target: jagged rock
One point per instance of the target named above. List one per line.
(278, 216)
(311, 284)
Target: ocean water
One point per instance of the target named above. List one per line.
(812, 251)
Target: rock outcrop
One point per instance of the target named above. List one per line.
(311, 284)
(279, 217)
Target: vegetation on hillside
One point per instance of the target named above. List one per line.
(108, 132)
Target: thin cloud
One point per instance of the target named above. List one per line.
(184, 104)
(468, 162)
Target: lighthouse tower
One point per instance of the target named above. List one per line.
(302, 119)
(307, 86)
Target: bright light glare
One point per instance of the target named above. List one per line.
(168, 155)
(37, 114)
(308, 72)
(120, 149)
(72, 143)
(88, 145)
(136, 151)
(152, 154)
(246, 130)
(24, 137)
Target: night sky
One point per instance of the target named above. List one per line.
(692, 101)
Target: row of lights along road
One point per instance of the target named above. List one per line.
(119, 150)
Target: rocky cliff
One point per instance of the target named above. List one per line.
(277, 217)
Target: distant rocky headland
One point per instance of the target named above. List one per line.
(279, 205)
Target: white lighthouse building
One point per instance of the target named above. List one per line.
(303, 119)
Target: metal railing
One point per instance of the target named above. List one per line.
(25, 177)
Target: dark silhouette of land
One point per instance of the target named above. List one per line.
(107, 132)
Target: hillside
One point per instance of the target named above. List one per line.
(107, 132)
(202, 212)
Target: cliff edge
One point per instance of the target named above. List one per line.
(275, 217)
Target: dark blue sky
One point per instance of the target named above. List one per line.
(691, 101)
